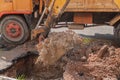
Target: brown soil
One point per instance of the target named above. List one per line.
(98, 66)
(65, 56)
(57, 45)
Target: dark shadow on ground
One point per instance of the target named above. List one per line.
(100, 36)
(108, 37)
(6, 46)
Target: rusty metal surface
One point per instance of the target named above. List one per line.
(83, 18)
(76, 27)
(36, 32)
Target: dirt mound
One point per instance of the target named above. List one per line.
(101, 66)
(70, 57)
(84, 60)
(56, 45)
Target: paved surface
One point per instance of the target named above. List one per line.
(100, 32)
(104, 32)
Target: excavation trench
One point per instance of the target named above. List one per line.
(67, 56)
(26, 67)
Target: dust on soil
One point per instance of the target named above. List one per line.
(67, 56)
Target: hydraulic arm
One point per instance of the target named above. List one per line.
(55, 9)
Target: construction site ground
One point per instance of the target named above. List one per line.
(8, 58)
(100, 32)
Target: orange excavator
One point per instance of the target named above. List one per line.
(16, 18)
(55, 9)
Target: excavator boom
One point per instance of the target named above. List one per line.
(55, 9)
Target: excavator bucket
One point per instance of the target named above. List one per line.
(55, 9)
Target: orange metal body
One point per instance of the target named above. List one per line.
(26, 6)
(83, 18)
(76, 6)
(83, 9)
(16, 7)
(93, 6)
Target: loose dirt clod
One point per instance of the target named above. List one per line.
(96, 68)
(57, 45)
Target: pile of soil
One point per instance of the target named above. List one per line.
(50, 63)
(68, 56)
(104, 65)
(76, 59)
(57, 45)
